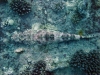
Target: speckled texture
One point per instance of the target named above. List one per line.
(81, 17)
(88, 62)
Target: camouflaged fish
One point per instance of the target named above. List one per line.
(45, 36)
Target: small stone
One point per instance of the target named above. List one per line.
(10, 22)
(19, 50)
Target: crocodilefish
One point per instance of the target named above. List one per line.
(45, 36)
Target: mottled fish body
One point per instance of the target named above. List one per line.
(45, 36)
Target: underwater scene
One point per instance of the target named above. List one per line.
(49, 37)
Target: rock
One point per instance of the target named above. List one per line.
(19, 50)
(11, 22)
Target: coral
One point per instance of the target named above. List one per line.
(88, 62)
(93, 61)
(38, 69)
(78, 59)
(20, 6)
